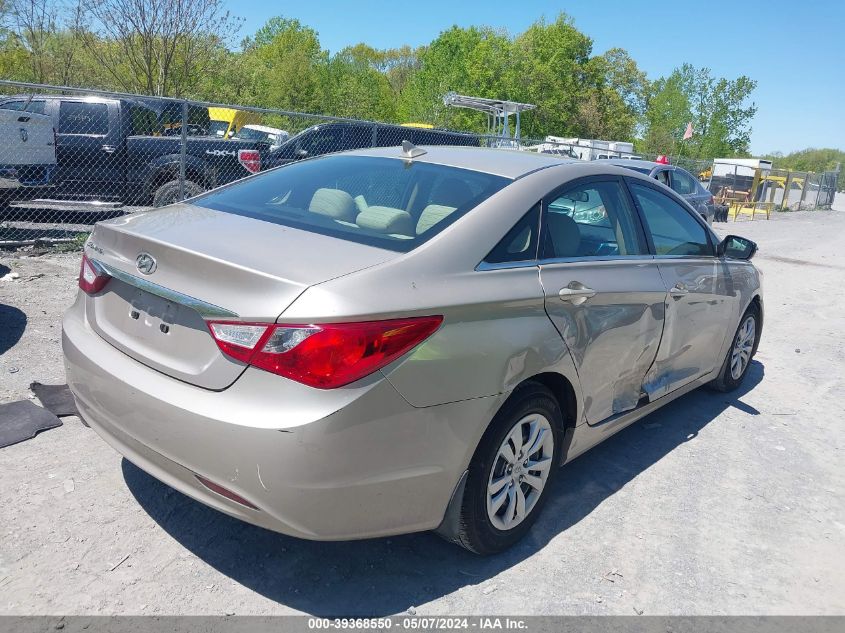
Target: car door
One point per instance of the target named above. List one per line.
(701, 298)
(88, 154)
(603, 291)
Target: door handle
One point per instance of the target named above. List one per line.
(109, 149)
(577, 295)
(678, 290)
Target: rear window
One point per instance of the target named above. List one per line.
(384, 202)
(79, 117)
(29, 106)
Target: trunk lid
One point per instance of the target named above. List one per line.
(207, 264)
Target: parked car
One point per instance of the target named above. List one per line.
(273, 136)
(114, 149)
(401, 340)
(340, 136)
(27, 154)
(680, 180)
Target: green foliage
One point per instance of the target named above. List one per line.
(282, 65)
(718, 108)
(812, 159)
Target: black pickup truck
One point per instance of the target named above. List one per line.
(122, 149)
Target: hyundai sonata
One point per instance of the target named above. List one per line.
(394, 340)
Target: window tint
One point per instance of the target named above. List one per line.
(76, 117)
(389, 136)
(384, 202)
(673, 229)
(323, 141)
(662, 176)
(33, 106)
(145, 122)
(591, 220)
(683, 183)
(520, 243)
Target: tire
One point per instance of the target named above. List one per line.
(168, 193)
(729, 378)
(479, 531)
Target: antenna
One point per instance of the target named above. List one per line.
(409, 150)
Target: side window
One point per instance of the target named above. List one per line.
(144, 121)
(323, 141)
(673, 229)
(591, 220)
(78, 117)
(389, 136)
(520, 243)
(357, 136)
(662, 176)
(683, 183)
(33, 106)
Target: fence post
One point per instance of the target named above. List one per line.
(183, 147)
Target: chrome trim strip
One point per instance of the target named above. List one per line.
(507, 265)
(205, 309)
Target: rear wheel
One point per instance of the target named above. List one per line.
(511, 471)
(169, 192)
(741, 352)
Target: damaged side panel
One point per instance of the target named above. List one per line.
(614, 334)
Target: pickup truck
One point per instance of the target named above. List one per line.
(27, 154)
(117, 149)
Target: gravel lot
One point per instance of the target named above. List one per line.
(716, 504)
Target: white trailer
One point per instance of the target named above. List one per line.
(587, 148)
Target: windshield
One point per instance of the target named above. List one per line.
(218, 128)
(250, 134)
(384, 202)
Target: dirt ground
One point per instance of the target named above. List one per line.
(716, 504)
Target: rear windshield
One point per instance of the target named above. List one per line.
(384, 202)
(642, 170)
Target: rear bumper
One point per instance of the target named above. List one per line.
(21, 178)
(376, 466)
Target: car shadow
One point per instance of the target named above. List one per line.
(389, 575)
(14, 323)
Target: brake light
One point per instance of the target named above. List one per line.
(325, 356)
(250, 159)
(92, 278)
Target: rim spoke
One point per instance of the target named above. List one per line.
(497, 500)
(516, 438)
(540, 464)
(538, 442)
(497, 485)
(535, 431)
(533, 481)
(520, 503)
(507, 453)
(508, 518)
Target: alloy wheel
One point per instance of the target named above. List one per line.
(743, 346)
(520, 471)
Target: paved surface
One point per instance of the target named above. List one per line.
(717, 504)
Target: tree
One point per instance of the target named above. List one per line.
(718, 108)
(285, 61)
(48, 36)
(352, 86)
(158, 47)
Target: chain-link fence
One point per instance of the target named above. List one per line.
(72, 157)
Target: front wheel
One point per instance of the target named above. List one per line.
(169, 192)
(511, 471)
(741, 352)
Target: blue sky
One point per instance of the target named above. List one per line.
(793, 49)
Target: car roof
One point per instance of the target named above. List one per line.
(499, 162)
(635, 163)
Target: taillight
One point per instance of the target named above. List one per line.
(92, 278)
(326, 356)
(250, 159)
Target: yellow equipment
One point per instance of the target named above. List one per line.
(225, 122)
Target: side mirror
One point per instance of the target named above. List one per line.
(302, 153)
(736, 247)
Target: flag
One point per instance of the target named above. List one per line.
(688, 133)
